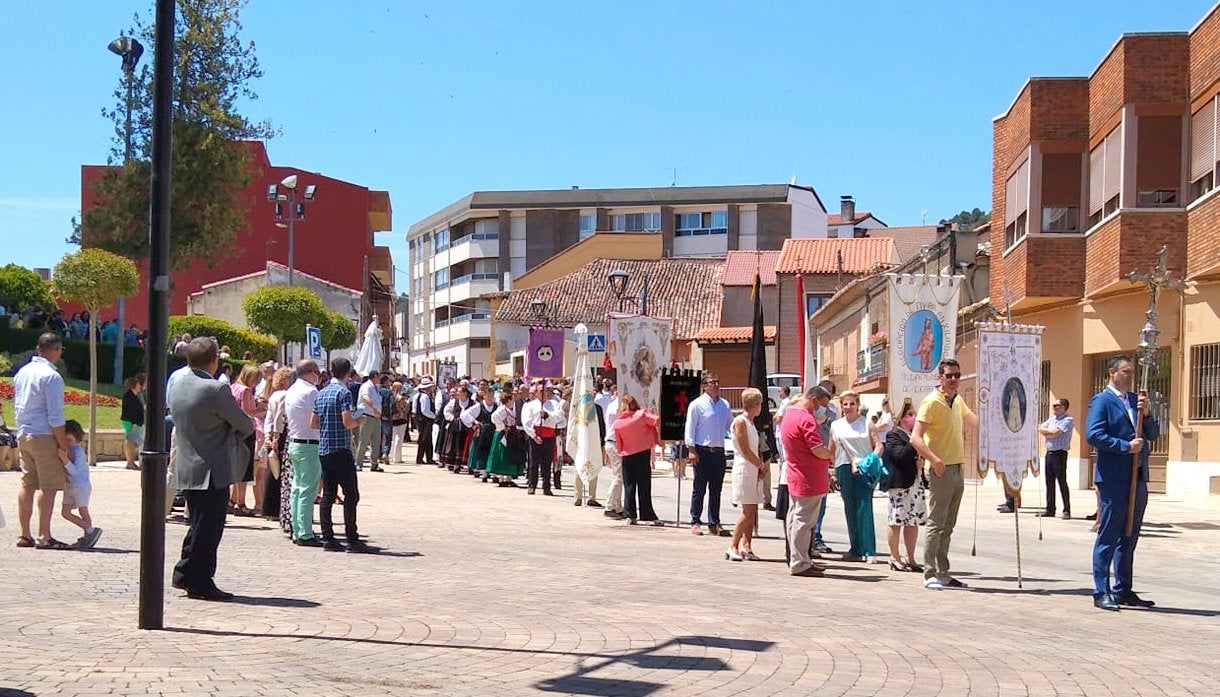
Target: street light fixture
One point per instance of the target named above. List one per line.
(618, 285)
(130, 51)
(294, 214)
(618, 282)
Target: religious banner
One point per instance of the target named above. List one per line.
(544, 354)
(584, 442)
(678, 389)
(446, 372)
(1010, 360)
(922, 331)
(642, 346)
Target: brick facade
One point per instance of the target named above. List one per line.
(1203, 239)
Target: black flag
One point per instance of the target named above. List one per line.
(758, 374)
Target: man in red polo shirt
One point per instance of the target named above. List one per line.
(808, 475)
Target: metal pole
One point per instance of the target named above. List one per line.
(129, 67)
(155, 456)
(292, 214)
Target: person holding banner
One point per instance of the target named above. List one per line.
(939, 438)
(1111, 431)
(540, 419)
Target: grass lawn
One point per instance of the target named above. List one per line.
(107, 417)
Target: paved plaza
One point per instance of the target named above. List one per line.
(488, 591)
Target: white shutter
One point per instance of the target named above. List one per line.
(1010, 200)
(1016, 201)
(1114, 164)
(1096, 171)
(1202, 140)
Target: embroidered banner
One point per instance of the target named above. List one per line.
(678, 389)
(922, 331)
(584, 438)
(1009, 370)
(544, 356)
(641, 346)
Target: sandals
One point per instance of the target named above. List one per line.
(24, 541)
(51, 543)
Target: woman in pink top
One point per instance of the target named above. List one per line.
(243, 392)
(635, 432)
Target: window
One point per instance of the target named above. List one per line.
(442, 240)
(588, 224)
(1205, 382)
(440, 279)
(1158, 161)
(705, 223)
(417, 286)
(1016, 205)
(487, 229)
(1105, 170)
(1060, 219)
(814, 302)
(1160, 198)
(1203, 155)
(633, 222)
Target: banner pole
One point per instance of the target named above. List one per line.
(1016, 521)
(974, 542)
(1040, 479)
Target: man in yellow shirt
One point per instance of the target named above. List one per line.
(939, 439)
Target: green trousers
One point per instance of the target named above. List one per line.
(306, 470)
(858, 508)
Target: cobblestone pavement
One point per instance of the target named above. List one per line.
(487, 591)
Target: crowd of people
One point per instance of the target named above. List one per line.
(296, 437)
(74, 328)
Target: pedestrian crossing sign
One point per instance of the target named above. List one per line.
(597, 343)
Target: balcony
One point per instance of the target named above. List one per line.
(479, 245)
(1044, 268)
(870, 363)
(462, 327)
(1128, 240)
(1202, 250)
(472, 285)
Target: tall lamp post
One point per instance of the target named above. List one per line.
(1155, 280)
(295, 212)
(130, 51)
(618, 279)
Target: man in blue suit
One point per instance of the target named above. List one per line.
(1111, 432)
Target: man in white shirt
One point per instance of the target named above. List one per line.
(303, 451)
(606, 396)
(423, 408)
(614, 501)
(540, 420)
(38, 402)
(369, 434)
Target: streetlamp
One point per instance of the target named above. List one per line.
(539, 308)
(618, 285)
(295, 213)
(130, 51)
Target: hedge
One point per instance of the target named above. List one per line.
(238, 340)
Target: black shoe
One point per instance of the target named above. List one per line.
(593, 504)
(361, 548)
(179, 585)
(1105, 601)
(768, 507)
(376, 468)
(1066, 516)
(214, 594)
(823, 548)
(578, 502)
(1005, 509)
(1091, 516)
(1132, 600)
(332, 546)
(1045, 514)
(617, 515)
(547, 492)
(307, 542)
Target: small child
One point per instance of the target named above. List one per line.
(76, 495)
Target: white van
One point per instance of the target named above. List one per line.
(777, 380)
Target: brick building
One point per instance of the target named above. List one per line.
(1091, 177)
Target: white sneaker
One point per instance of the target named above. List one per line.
(933, 584)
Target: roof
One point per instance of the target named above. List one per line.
(847, 293)
(739, 267)
(688, 290)
(835, 219)
(595, 198)
(909, 240)
(821, 255)
(733, 335)
(278, 266)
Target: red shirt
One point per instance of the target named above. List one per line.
(636, 432)
(808, 474)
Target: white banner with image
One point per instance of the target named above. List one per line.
(922, 331)
(1009, 371)
(640, 347)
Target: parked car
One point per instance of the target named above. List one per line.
(778, 380)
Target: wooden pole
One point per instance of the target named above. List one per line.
(1135, 457)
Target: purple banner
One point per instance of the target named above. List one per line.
(544, 356)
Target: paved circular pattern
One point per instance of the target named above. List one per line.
(489, 592)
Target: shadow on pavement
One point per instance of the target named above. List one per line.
(388, 553)
(273, 601)
(108, 550)
(10, 692)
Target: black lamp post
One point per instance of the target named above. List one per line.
(539, 308)
(618, 279)
(295, 213)
(130, 51)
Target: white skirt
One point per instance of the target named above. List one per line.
(747, 486)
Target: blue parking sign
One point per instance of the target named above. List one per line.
(313, 340)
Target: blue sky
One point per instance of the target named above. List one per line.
(888, 101)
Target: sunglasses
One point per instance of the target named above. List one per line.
(952, 376)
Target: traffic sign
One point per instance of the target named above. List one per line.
(597, 343)
(313, 339)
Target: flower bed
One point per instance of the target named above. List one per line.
(71, 396)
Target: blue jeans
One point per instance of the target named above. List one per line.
(817, 529)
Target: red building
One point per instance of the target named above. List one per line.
(333, 242)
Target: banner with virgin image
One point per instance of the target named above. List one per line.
(922, 331)
(1010, 361)
(641, 347)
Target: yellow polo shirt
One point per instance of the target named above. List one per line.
(943, 426)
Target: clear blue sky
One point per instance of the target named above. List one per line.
(889, 101)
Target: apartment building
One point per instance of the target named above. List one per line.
(484, 242)
(1091, 177)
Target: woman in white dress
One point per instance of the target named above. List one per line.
(748, 475)
(851, 442)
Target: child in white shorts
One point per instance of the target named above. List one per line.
(76, 495)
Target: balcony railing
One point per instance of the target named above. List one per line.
(462, 318)
(870, 363)
(474, 277)
(476, 236)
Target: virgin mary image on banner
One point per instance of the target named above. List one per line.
(1010, 357)
(1013, 404)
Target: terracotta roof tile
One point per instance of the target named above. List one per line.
(688, 290)
(838, 219)
(733, 335)
(820, 255)
(739, 267)
(909, 240)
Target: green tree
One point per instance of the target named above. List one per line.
(283, 312)
(213, 70)
(21, 287)
(95, 278)
(238, 340)
(338, 332)
(969, 220)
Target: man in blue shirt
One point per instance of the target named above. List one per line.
(39, 405)
(332, 416)
(1058, 433)
(707, 421)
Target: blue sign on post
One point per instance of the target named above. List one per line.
(596, 343)
(313, 340)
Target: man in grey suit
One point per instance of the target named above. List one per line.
(210, 430)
